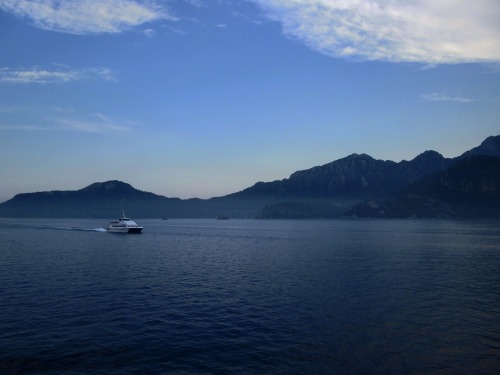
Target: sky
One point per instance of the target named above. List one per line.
(202, 98)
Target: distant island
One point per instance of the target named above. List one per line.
(357, 186)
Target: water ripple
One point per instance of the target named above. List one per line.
(253, 297)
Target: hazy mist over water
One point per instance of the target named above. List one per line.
(249, 296)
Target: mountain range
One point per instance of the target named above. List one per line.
(356, 186)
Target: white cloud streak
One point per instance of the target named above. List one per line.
(440, 97)
(422, 31)
(62, 75)
(96, 124)
(87, 16)
(60, 119)
(36, 75)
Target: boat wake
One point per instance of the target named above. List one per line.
(51, 227)
(77, 229)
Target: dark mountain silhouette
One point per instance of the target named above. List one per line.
(374, 183)
(353, 177)
(475, 178)
(490, 146)
(323, 191)
(96, 200)
(469, 188)
(107, 199)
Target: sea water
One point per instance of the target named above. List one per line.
(250, 297)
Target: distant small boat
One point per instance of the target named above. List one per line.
(222, 217)
(123, 225)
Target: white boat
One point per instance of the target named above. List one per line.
(123, 225)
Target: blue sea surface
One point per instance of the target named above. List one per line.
(250, 297)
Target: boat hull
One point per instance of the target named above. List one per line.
(135, 230)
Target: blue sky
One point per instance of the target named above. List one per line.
(202, 98)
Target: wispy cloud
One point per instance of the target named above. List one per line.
(37, 75)
(62, 74)
(88, 16)
(440, 97)
(25, 127)
(95, 123)
(149, 33)
(424, 31)
(102, 73)
(196, 3)
(63, 119)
